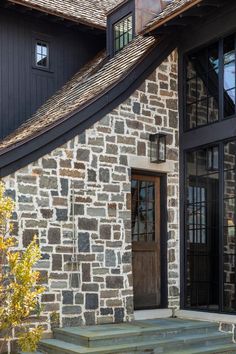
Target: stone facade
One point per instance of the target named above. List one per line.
(77, 199)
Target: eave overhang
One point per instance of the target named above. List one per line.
(184, 16)
(62, 15)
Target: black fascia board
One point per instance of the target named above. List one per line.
(21, 155)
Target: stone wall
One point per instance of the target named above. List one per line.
(91, 175)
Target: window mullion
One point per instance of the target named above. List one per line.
(221, 80)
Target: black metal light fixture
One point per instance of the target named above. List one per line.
(157, 148)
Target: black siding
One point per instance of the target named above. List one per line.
(24, 88)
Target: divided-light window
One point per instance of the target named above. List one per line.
(211, 83)
(42, 55)
(123, 33)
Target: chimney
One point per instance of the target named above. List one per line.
(146, 10)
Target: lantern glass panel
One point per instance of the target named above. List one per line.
(162, 149)
(153, 151)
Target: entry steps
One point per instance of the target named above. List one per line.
(173, 336)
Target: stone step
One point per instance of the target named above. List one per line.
(168, 345)
(139, 331)
(224, 349)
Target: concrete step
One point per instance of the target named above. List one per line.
(135, 332)
(179, 343)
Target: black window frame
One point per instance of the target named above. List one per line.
(221, 116)
(122, 11)
(35, 64)
(122, 35)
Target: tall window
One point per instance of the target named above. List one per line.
(42, 55)
(123, 33)
(210, 83)
(210, 228)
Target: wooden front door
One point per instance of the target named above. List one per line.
(146, 241)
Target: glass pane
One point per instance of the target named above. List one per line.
(230, 155)
(229, 63)
(202, 230)
(229, 184)
(213, 109)
(202, 89)
(229, 76)
(191, 72)
(229, 212)
(192, 115)
(229, 102)
(202, 113)
(41, 54)
(143, 210)
(123, 33)
(192, 91)
(213, 57)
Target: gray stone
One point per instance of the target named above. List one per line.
(64, 186)
(91, 302)
(119, 315)
(89, 318)
(88, 224)
(119, 127)
(46, 213)
(86, 272)
(114, 282)
(136, 107)
(110, 258)
(83, 155)
(54, 236)
(56, 262)
(75, 280)
(104, 175)
(71, 310)
(90, 287)
(28, 235)
(79, 299)
(78, 209)
(72, 321)
(62, 214)
(49, 163)
(99, 212)
(92, 175)
(58, 284)
(84, 242)
(105, 232)
(48, 182)
(106, 311)
(68, 297)
(24, 199)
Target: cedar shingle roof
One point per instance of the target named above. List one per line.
(174, 8)
(95, 79)
(90, 12)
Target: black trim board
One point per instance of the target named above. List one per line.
(20, 156)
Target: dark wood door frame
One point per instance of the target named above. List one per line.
(163, 231)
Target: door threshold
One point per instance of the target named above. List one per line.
(205, 316)
(152, 314)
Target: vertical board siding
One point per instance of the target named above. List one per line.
(23, 88)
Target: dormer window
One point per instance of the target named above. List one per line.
(42, 55)
(123, 32)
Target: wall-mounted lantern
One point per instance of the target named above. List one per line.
(157, 148)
